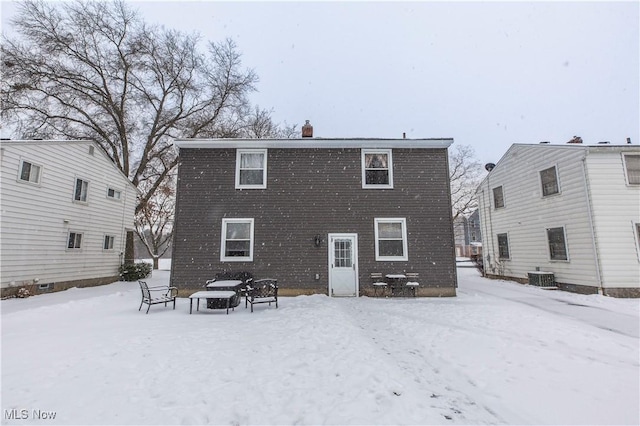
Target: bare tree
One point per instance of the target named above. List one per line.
(464, 174)
(154, 220)
(95, 70)
(260, 125)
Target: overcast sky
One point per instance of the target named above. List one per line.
(488, 74)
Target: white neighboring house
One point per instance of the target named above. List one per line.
(66, 209)
(572, 209)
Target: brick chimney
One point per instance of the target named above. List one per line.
(307, 130)
(576, 139)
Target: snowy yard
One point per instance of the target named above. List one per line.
(499, 353)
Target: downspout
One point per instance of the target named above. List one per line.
(488, 207)
(596, 252)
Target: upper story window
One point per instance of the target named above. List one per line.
(636, 227)
(557, 244)
(114, 194)
(503, 246)
(632, 167)
(391, 239)
(29, 172)
(251, 168)
(74, 241)
(498, 197)
(549, 180)
(81, 189)
(237, 240)
(377, 168)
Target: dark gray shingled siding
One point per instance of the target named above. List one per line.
(309, 192)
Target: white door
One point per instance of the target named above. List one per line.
(343, 264)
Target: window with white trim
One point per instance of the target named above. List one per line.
(113, 194)
(503, 246)
(636, 230)
(237, 240)
(391, 239)
(632, 169)
(81, 190)
(498, 197)
(549, 181)
(108, 242)
(557, 244)
(29, 172)
(251, 168)
(74, 241)
(377, 168)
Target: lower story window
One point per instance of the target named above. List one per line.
(503, 246)
(391, 239)
(75, 240)
(108, 242)
(557, 244)
(237, 240)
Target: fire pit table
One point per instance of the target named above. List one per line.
(235, 286)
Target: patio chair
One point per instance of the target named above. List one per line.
(157, 294)
(262, 291)
(412, 283)
(378, 283)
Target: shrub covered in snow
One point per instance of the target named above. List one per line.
(23, 292)
(135, 271)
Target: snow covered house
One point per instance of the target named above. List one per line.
(572, 210)
(65, 212)
(320, 215)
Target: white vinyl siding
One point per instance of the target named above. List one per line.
(377, 168)
(237, 240)
(528, 214)
(615, 207)
(391, 239)
(251, 169)
(36, 220)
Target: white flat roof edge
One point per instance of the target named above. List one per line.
(314, 143)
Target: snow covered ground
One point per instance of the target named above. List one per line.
(499, 353)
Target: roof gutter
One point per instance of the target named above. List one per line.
(314, 143)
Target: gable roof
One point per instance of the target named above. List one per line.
(298, 143)
(30, 142)
(581, 147)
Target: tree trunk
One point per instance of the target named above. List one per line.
(155, 262)
(129, 252)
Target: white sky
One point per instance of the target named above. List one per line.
(488, 74)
